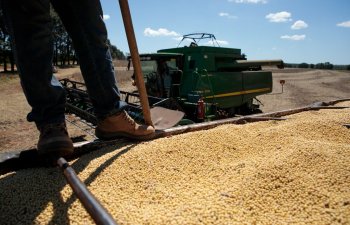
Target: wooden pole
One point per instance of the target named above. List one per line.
(124, 7)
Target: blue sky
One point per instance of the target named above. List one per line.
(296, 31)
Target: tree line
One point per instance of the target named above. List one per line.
(64, 53)
(322, 66)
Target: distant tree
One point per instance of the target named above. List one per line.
(63, 48)
(348, 67)
(328, 66)
(319, 66)
(6, 55)
(312, 66)
(303, 65)
(291, 65)
(64, 53)
(115, 52)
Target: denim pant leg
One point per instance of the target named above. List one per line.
(84, 22)
(29, 25)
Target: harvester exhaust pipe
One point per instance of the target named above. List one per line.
(279, 63)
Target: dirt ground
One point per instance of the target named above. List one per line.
(302, 87)
(305, 86)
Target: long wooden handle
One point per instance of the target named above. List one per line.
(124, 7)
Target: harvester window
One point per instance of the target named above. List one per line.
(148, 66)
(172, 65)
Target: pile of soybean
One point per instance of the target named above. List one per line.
(275, 172)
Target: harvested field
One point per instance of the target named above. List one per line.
(302, 88)
(18, 134)
(293, 171)
(305, 86)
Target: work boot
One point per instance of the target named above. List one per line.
(54, 140)
(122, 125)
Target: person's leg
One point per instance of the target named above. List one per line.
(84, 22)
(29, 25)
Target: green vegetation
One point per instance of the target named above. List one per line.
(64, 53)
(322, 66)
(6, 56)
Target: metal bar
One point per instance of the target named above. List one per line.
(98, 213)
(276, 62)
(263, 118)
(328, 107)
(252, 118)
(124, 8)
(13, 161)
(336, 101)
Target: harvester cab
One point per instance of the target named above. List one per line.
(161, 73)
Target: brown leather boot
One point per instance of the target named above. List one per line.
(122, 125)
(54, 140)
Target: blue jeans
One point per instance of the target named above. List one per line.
(30, 28)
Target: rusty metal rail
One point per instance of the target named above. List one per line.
(97, 212)
(29, 158)
(251, 118)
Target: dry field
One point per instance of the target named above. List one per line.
(18, 134)
(302, 88)
(286, 172)
(305, 86)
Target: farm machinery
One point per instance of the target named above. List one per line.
(205, 82)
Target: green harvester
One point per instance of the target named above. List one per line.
(206, 82)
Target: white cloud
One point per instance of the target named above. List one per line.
(227, 15)
(249, 1)
(106, 17)
(344, 24)
(299, 25)
(279, 17)
(178, 38)
(294, 37)
(220, 42)
(149, 32)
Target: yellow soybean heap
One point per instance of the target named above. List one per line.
(276, 172)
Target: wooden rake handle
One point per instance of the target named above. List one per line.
(124, 8)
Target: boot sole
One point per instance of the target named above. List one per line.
(56, 149)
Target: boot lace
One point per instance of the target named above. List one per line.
(128, 118)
